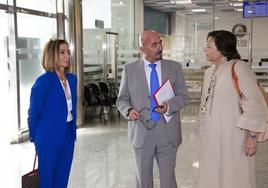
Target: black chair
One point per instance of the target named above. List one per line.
(109, 95)
(92, 102)
(97, 91)
(88, 103)
(105, 102)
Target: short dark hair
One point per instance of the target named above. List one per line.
(225, 42)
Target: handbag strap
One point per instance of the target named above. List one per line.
(34, 161)
(235, 81)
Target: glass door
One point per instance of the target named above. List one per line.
(110, 48)
(24, 31)
(30, 43)
(7, 100)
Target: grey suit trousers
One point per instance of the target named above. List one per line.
(156, 145)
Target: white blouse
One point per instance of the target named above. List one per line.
(68, 96)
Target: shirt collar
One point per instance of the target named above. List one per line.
(147, 63)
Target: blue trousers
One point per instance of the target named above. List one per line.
(54, 163)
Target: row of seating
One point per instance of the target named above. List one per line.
(99, 100)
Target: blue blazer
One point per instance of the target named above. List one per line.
(48, 111)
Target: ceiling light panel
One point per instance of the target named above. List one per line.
(184, 2)
(239, 9)
(237, 4)
(199, 10)
(174, 6)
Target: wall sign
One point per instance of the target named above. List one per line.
(239, 30)
(99, 24)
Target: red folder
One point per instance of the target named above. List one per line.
(164, 93)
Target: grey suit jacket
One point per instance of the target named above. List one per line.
(134, 93)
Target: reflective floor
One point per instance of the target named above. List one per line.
(103, 157)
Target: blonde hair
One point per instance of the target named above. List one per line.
(51, 55)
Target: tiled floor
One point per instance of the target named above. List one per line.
(103, 157)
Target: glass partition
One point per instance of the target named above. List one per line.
(7, 2)
(222, 17)
(118, 18)
(7, 80)
(41, 5)
(111, 47)
(93, 55)
(23, 34)
(30, 43)
(66, 17)
(189, 35)
(242, 28)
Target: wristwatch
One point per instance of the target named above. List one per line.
(252, 134)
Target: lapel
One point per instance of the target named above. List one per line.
(142, 78)
(69, 81)
(164, 71)
(61, 94)
(72, 87)
(72, 84)
(58, 84)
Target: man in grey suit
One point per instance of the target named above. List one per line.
(152, 138)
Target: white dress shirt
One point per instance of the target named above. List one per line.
(148, 70)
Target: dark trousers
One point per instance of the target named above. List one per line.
(54, 163)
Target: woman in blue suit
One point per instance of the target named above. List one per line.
(52, 116)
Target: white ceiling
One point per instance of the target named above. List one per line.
(188, 6)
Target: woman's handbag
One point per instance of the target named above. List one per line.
(262, 137)
(31, 179)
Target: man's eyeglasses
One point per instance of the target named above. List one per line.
(145, 118)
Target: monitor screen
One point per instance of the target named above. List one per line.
(255, 9)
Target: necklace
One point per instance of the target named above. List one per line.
(211, 86)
